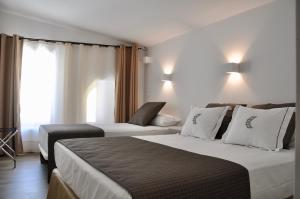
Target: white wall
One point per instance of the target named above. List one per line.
(30, 27)
(264, 39)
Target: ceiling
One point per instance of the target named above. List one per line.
(147, 22)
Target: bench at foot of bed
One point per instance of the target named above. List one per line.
(56, 132)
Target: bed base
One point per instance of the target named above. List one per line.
(58, 189)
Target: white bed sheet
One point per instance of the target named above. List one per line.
(271, 173)
(113, 130)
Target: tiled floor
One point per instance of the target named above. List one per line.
(27, 181)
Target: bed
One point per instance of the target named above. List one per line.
(271, 174)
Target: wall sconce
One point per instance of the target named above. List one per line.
(167, 77)
(147, 60)
(233, 68)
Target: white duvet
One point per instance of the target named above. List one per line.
(271, 173)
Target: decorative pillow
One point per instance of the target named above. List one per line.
(146, 113)
(259, 128)
(204, 123)
(227, 117)
(291, 127)
(165, 120)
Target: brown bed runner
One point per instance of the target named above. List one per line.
(151, 170)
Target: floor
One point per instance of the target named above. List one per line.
(27, 181)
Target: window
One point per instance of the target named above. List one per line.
(37, 88)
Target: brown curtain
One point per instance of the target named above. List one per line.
(10, 76)
(126, 83)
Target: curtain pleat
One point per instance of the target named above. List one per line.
(126, 83)
(10, 76)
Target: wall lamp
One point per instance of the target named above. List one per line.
(147, 60)
(167, 77)
(233, 68)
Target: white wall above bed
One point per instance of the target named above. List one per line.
(264, 38)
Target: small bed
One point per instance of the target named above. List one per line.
(271, 174)
(145, 121)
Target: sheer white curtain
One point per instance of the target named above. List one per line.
(64, 83)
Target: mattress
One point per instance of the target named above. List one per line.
(112, 130)
(271, 173)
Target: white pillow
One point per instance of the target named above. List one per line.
(204, 123)
(165, 120)
(259, 128)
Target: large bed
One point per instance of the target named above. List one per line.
(271, 174)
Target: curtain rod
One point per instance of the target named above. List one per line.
(72, 42)
(76, 43)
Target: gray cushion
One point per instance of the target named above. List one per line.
(146, 113)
